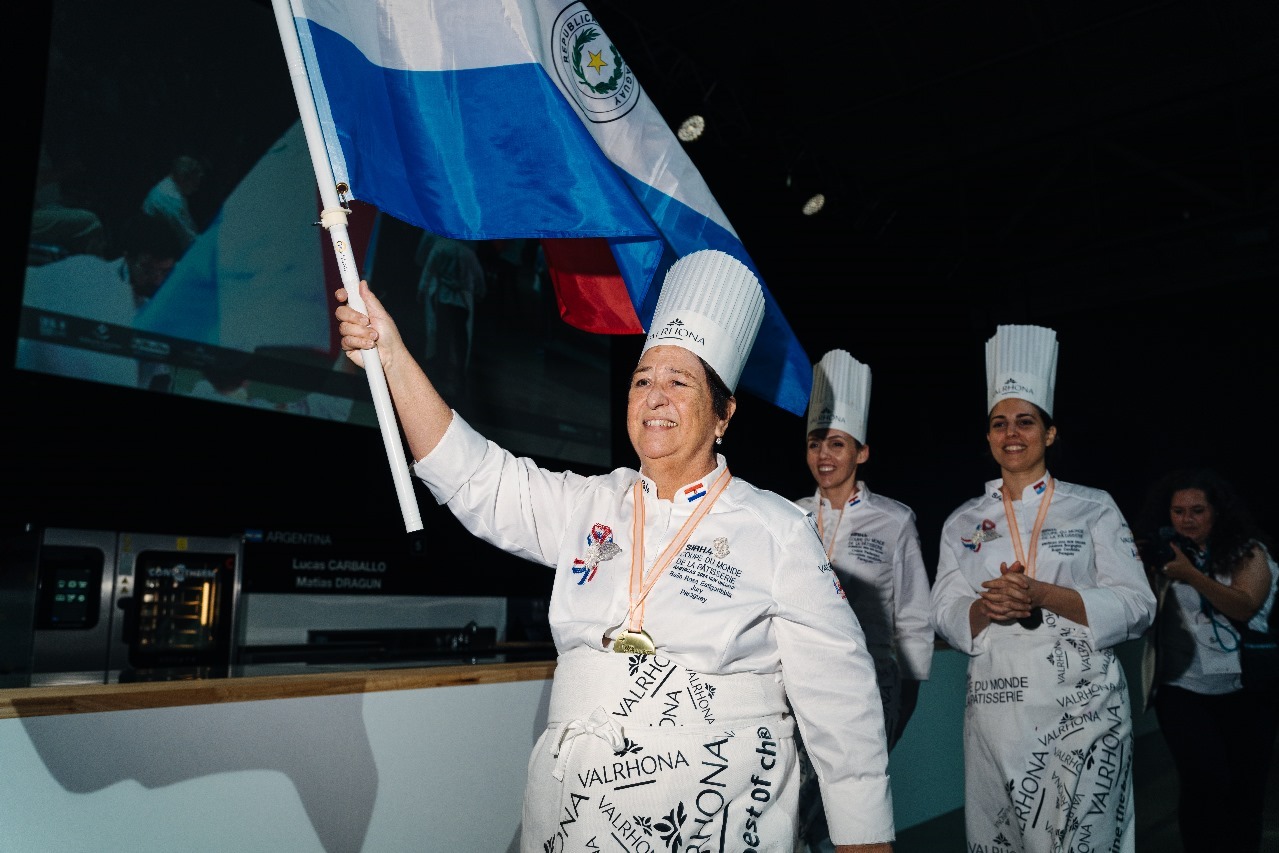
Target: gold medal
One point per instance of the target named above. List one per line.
(634, 643)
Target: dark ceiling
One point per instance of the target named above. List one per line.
(1116, 149)
(1108, 169)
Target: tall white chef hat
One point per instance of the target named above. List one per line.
(712, 306)
(840, 397)
(1021, 362)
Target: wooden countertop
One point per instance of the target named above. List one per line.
(95, 698)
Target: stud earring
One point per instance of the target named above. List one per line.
(719, 439)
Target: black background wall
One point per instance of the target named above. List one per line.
(1168, 357)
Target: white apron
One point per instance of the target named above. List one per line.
(641, 754)
(1048, 744)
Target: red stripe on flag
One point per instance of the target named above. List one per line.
(591, 293)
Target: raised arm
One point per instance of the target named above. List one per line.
(423, 413)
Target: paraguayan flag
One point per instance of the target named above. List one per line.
(499, 119)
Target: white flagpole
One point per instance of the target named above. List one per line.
(333, 218)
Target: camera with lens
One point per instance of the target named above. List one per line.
(1159, 549)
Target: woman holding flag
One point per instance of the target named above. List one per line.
(696, 617)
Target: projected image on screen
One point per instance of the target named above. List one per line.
(174, 247)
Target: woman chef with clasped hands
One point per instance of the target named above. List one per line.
(1038, 581)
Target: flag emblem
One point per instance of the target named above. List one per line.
(694, 492)
(590, 66)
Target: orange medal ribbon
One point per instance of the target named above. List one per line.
(635, 640)
(1036, 617)
(821, 531)
(1015, 531)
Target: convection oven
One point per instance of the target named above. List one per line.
(109, 605)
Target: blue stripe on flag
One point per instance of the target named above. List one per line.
(468, 126)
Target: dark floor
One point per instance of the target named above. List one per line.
(1155, 795)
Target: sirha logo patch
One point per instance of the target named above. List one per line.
(591, 68)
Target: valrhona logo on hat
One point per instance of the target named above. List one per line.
(676, 329)
(712, 305)
(840, 397)
(1026, 356)
(1012, 388)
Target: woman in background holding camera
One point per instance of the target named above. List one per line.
(1213, 576)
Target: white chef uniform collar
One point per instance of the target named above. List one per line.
(689, 493)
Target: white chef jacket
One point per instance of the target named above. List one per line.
(1085, 544)
(875, 552)
(751, 592)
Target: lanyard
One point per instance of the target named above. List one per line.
(821, 531)
(640, 586)
(1015, 531)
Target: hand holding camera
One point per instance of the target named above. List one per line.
(1172, 554)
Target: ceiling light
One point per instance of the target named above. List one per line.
(814, 204)
(692, 128)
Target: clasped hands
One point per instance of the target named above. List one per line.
(1012, 595)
